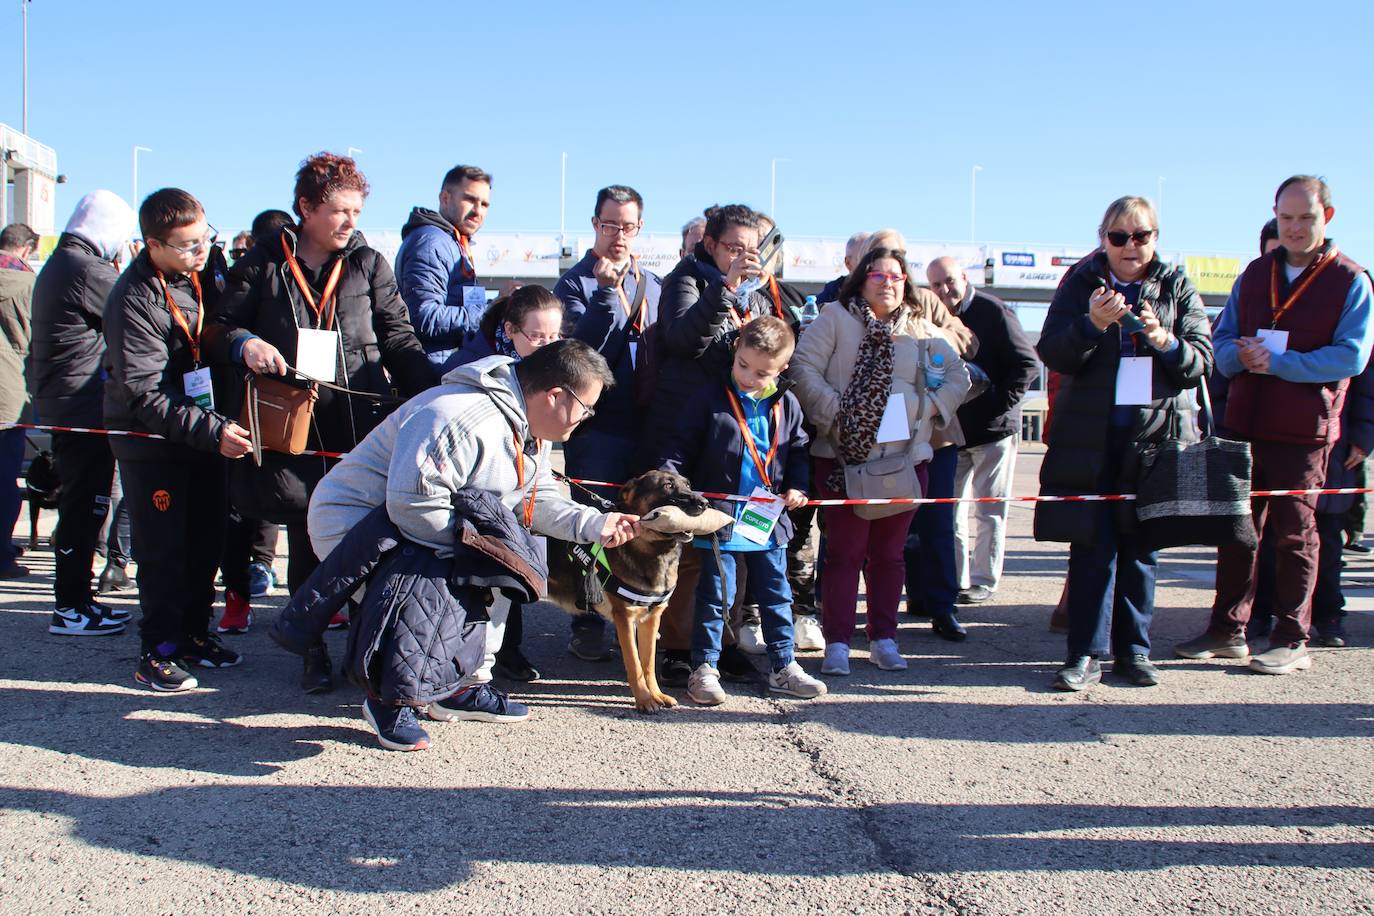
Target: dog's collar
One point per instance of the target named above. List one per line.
(592, 560)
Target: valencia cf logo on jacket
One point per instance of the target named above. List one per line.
(162, 500)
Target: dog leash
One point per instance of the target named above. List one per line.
(598, 501)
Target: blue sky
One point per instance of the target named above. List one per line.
(882, 109)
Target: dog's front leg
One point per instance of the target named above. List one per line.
(648, 646)
(634, 673)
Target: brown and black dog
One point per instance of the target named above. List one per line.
(637, 578)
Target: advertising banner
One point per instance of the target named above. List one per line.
(1032, 268)
(1212, 275)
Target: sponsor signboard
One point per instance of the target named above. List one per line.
(1032, 268)
(1212, 275)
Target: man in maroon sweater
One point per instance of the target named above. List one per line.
(1293, 333)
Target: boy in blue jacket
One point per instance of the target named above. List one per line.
(743, 435)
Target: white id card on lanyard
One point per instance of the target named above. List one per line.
(197, 384)
(758, 518)
(316, 353)
(1135, 380)
(894, 427)
(475, 297)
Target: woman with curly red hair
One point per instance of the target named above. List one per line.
(319, 300)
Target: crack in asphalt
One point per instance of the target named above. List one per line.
(845, 793)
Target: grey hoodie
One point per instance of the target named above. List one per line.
(459, 434)
(106, 221)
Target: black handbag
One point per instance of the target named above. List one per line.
(1197, 493)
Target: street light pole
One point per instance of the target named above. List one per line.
(351, 150)
(137, 150)
(563, 200)
(24, 8)
(773, 190)
(973, 205)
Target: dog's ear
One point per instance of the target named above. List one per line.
(630, 496)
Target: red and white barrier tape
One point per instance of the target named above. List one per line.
(1110, 497)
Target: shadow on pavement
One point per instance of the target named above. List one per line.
(375, 839)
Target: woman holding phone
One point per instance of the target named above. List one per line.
(1128, 336)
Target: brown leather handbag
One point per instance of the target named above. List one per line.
(277, 415)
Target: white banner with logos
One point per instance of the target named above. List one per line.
(1032, 268)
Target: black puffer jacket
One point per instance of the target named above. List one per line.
(692, 341)
(149, 355)
(68, 346)
(1087, 364)
(420, 628)
(261, 299)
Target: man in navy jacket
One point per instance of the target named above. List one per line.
(435, 268)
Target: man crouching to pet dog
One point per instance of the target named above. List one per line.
(488, 426)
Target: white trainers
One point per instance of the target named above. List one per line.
(806, 634)
(83, 621)
(750, 639)
(703, 687)
(836, 659)
(884, 654)
(793, 681)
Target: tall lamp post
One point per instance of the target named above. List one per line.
(973, 205)
(24, 7)
(351, 150)
(773, 189)
(137, 150)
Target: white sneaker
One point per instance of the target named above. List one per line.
(836, 659)
(793, 681)
(884, 654)
(83, 621)
(750, 639)
(703, 687)
(807, 635)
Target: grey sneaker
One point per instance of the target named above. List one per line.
(1209, 646)
(703, 687)
(795, 682)
(1282, 659)
(884, 654)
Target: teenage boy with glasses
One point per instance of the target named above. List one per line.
(175, 485)
(603, 307)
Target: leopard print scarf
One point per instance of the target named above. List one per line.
(865, 398)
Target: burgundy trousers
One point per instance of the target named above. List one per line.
(1293, 521)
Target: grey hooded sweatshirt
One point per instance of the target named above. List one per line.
(462, 433)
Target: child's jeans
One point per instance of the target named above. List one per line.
(768, 584)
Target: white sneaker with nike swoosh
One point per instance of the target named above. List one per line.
(83, 621)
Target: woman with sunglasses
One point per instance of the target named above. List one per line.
(1128, 336)
(320, 300)
(872, 354)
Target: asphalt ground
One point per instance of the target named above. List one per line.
(964, 784)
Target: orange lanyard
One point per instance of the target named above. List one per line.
(1277, 310)
(469, 266)
(180, 319)
(329, 285)
(636, 320)
(737, 409)
(527, 505)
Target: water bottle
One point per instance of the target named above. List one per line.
(935, 371)
(809, 311)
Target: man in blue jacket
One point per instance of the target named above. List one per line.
(435, 268)
(609, 302)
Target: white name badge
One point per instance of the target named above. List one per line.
(316, 353)
(1134, 380)
(634, 353)
(1275, 341)
(475, 297)
(758, 518)
(894, 426)
(197, 384)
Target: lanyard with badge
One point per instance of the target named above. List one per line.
(316, 348)
(474, 297)
(1276, 341)
(196, 383)
(634, 312)
(526, 503)
(763, 510)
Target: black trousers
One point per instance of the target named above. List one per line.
(246, 540)
(177, 508)
(85, 465)
(301, 560)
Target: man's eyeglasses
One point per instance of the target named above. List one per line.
(1119, 238)
(538, 339)
(587, 412)
(193, 247)
(885, 279)
(629, 230)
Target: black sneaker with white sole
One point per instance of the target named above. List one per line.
(83, 621)
(208, 652)
(117, 614)
(163, 674)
